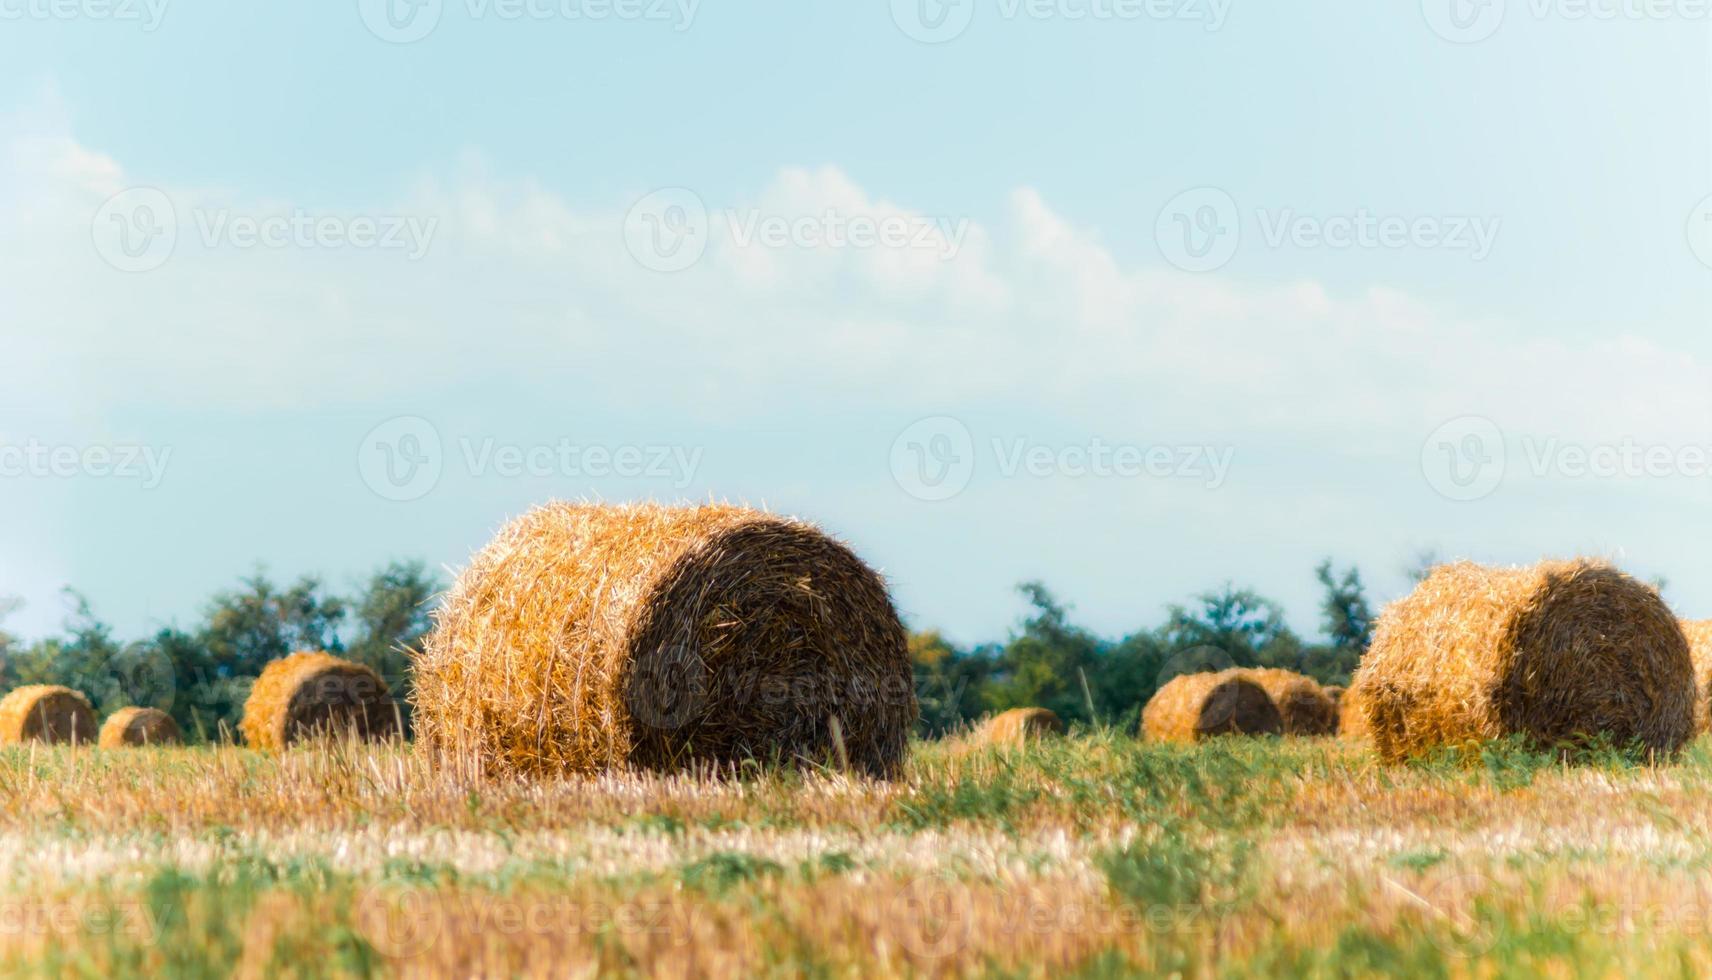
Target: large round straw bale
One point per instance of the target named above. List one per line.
(309, 694)
(139, 726)
(1699, 634)
(1301, 703)
(1195, 706)
(46, 713)
(1018, 726)
(591, 636)
(1556, 652)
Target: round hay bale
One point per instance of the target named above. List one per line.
(1191, 707)
(1557, 652)
(1301, 702)
(311, 694)
(1699, 635)
(1335, 692)
(1352, 716)
(139, 726)
(591, 636)
(1018, 726)
(46, 713)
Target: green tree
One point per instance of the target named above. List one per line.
(950, 683)
(1238, 624)
(393, 616)
(260, 622)
(1047, 661)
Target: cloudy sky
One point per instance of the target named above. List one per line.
(1131, 297)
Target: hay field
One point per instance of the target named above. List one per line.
(1095, 855)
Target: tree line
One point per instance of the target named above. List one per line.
(201, 674)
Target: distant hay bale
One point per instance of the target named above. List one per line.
(1335, 692)
(1191, 707)
(588, 636)
(1018, 726)
(309, 694)
(139, 726)
(46, 713)
(1302, 704)
(1699, 634)
(1352, 715)
(1557, 653)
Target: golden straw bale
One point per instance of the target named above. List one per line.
(1335, 692)
(1191, 707)
(1556, 652)
(1019, 725)
(46, 713)
(1699, 634)
(593, 636)
(309, 694)
(1301, 703)
(1352, 715)
(139, 726)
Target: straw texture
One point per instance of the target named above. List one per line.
(1191, 707)
(1302, 704)
(46, 713)
(587, 637)
(309, 694)
(1699, 634)
(1556, 652)
(139, 726)
(1018, 725)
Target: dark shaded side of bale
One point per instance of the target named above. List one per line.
(1303, 705)
(310, 694)
(1191, 707)
(1558, 653)
(46, 713)
(1018, 725)
(588, 637)
(1699, 635)
(139, 726)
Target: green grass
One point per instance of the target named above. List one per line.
(1095, 856)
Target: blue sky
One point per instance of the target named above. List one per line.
(1035, 166)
